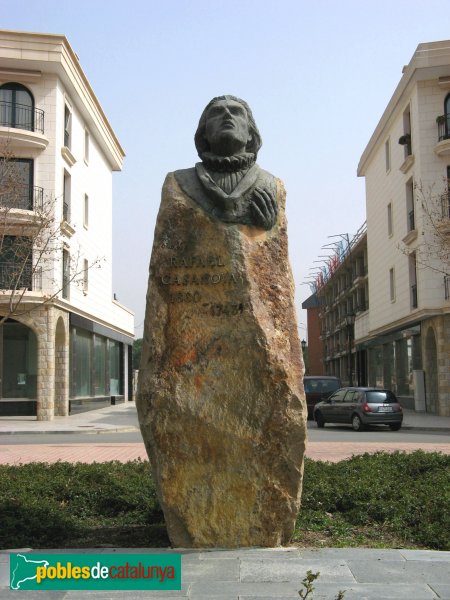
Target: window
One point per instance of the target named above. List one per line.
(16, 268)
(81, 363)
(66, 275)
(86, 211)
(389, 219)
(19, 361)
(392, 284)
(16, 107)
(446, 198)
(16, 182)
(411, 220)
(406, 140)
(66, 196)
(338, 396)
(99, 366)
(67, 127)
(352, 396)
(387, 150)
(86, 146)
(115, 378)
(85, 276)
(382, 397)
(447, 116)
(413, 279)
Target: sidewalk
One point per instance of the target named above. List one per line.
(276, 574)
(123, 418)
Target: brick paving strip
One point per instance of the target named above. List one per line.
(103, 452)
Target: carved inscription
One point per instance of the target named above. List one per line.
(188, 276)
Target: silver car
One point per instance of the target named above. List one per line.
(360, 406)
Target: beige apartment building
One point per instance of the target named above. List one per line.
(384, 297)
(68, 344)
(406, 165)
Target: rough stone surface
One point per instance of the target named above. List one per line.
(220, 399)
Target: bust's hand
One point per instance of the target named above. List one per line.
(264, 208)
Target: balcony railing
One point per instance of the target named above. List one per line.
(447, 287)
(25, 197)
(21, 116)
(414, 296)
(443, 123)
(15, 276)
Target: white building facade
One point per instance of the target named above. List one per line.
(68, 344)
(406, 165)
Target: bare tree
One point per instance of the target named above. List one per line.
(433, 249)
(31, 244)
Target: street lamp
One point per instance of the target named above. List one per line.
(349, 321)
(303, 346)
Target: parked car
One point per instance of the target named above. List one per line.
(360, 406)
(317, 388)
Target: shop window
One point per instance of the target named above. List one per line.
(114, 368)
(100, 366)
(81, 361)
(19, 361)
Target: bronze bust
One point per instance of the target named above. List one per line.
(228, 184)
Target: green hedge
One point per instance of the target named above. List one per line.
(384, 500)
(379, 499)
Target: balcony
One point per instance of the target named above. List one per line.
(23, 126)
(17, 276)
(26, 197)
(442, 148)
(412, 231)
(443, 225)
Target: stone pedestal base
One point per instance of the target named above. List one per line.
(220, 398)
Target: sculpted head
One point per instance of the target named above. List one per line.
(227, 128)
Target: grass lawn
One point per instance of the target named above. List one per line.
(380, 500)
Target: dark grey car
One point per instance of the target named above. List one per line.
(360, 406)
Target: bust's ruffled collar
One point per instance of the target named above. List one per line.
(228, 164)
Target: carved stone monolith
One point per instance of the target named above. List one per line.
(220, 399)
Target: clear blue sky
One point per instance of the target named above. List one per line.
(317, 75)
